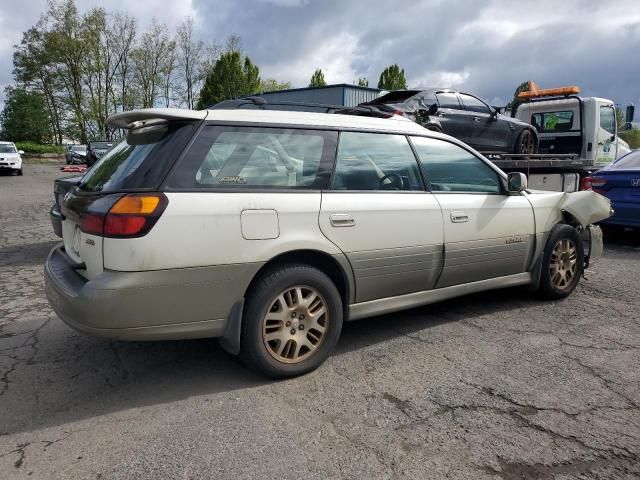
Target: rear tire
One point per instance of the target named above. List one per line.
(526, 143)
(292, 321)
(562, 263)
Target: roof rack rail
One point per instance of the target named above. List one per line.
(261, 103)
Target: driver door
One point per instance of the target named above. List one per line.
(379, 214)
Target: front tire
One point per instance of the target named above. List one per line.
(562, 263)
(292, 321)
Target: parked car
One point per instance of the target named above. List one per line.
(76, 154)
(620, 183)
(95, 150)
(10, 159)
(463, 116)
(61, 186)
(268, 229)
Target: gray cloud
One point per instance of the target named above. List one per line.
(484, 47)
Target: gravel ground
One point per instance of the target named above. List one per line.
(497, 385)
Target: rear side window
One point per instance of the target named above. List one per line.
(140, 161)
(253, 157)
(448, 100)
(561, 121)
(375, 161)
(450, 168)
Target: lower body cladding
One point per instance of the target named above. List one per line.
(207, 301)
(152, 305)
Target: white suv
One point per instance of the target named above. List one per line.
(270, 228)
(10, 159)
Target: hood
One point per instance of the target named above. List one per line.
(9, 155)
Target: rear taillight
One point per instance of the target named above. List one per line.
(593, 183)
(132, 215)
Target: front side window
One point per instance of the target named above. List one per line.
(448, 100)
(450, 168)
(375, 161)
(474, 105)
(247, 157)
(608, 119)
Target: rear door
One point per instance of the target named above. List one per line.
(455, 121)
(379, 214)
(487, 233)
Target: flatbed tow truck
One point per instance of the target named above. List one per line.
(577, 136)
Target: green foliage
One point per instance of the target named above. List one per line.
(620, 119)
(232, 76)
(632, 137)
(32, 147)
(363, 82)
(272, 85)
(523, 87)
(317, 79)
(24, 116)
(392, 78)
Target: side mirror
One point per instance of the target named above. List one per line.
(21, 152)
(433, 109)
(613, 138)
(494, 114)
(516, 182)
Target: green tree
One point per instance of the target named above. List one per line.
(363, 82)
(232, 76)
(392, 78)
(632, 137)
(25, 117)
(317, 79)
(272, 85)
(523, 87)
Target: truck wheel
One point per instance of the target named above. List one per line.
(292, 321)
(526, 143)
(562, 263)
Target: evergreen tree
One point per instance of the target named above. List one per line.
(392, 78)
(317, 79)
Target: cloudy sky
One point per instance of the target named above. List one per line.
(487, 47)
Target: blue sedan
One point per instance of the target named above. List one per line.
(620, 183)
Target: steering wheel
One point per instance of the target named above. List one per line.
(396, 182)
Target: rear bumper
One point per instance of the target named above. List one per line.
(624, 214)
(153, 305)
(593, 244)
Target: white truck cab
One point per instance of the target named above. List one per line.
(584, 126)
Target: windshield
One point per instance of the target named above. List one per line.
(140, 161)
(631, 161)
(78, 148)
(5, 148)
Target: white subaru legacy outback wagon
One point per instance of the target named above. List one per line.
(269, 229)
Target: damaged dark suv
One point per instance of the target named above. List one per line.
(463, 116)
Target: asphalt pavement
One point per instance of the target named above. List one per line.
(498, 385)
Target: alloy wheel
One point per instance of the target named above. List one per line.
(563, 265)
(295, 324)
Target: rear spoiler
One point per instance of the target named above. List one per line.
(136, 118)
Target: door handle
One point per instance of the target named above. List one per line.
(476, 119)
(442, 114)
(459, 217)
(342, 220)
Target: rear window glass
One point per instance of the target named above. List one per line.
(252, 157)
(140, 161)
(561, 121)
(630, 161)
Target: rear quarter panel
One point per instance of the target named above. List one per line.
(205, 228)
